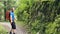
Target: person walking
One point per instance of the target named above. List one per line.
(13, 25)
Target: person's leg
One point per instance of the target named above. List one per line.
(14, 31)
(11, 27)
(11, 31)
(14, 27)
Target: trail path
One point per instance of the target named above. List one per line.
(19, 29)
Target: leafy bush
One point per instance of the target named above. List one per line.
(40, 16)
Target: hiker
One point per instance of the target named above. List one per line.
(13, 29)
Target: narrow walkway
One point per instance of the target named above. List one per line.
(19, 30)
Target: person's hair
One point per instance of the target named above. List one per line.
(12, 8)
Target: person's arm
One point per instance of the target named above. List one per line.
(14, 17)
(11, 17)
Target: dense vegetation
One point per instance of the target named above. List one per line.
(41, 17)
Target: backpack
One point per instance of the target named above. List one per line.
(7, 15)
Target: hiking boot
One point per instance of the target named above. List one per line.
(10, 32)
(13, 33)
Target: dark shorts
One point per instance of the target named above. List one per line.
(13, 25)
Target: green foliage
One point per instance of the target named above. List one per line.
(39, 16)
(53, 27)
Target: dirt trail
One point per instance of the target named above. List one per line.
(19, 30)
